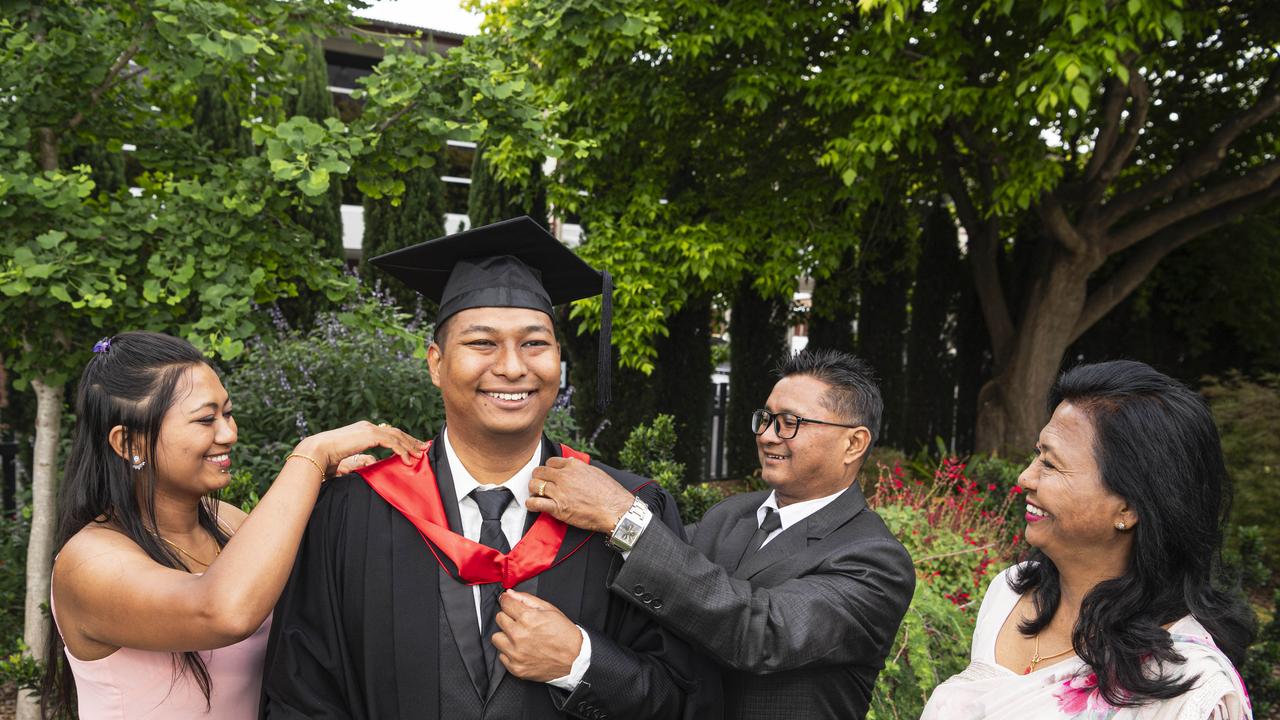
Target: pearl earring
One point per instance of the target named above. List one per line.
(138, 462)
(1120, 526)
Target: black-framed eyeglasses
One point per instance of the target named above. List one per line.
(785, 424)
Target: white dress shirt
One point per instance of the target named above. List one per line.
(793, 513)
(513, 518)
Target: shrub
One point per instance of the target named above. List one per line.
(956, 530)
(650, 451)
(1248, 413)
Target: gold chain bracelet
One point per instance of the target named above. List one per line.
(311, 460)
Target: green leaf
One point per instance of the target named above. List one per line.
(1080, 94)
(1077, 23)
(51, 239)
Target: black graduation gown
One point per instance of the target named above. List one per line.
(370, 625)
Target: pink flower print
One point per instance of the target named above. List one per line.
(1079, 694)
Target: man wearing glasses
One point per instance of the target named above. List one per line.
(797, 591)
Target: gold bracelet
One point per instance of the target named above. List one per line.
(311, 460)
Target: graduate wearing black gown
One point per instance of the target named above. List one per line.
(379, 618)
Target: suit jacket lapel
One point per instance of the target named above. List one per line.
(457, 599)
(799, 536)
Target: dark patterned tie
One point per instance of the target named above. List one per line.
(771, 522)
(491, 503)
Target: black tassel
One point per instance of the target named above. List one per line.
(604, 356)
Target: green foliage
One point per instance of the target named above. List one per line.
(1259, 671)
(363, 362)
(1248, 412)
(21, 668)
(650, 452)
(207, 236)
(14, 532)
(391, 223)
(490, 199)
(322, 217)
(952, 518)
(931, 646)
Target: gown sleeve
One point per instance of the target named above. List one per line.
(307, 674)
(640, 670)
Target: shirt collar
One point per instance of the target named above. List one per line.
(795, 512)
(464, 482)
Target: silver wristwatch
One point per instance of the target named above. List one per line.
(627, 531)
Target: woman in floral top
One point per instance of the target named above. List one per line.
(1115, 614)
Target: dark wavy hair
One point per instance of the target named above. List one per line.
(1157, 447)
(132, 384)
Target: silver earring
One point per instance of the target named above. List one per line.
(1120, 526)
(138, 463)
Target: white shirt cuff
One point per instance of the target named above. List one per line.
(579, 668)
(643, 526)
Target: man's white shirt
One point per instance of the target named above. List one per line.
(513, 519)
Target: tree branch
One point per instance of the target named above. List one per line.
(1254, 181)
(1059, 226)
(112, 78)
(1201, 163)
(1141, 93)
(1143, 261)
(395, 116)
(1112, 106)
(983, 245)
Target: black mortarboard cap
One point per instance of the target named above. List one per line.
(512, 263)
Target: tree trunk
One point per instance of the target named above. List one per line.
(43, 517)
(834, 307)
(930, 382)
(681, 382)
(882, 314)
(1011, 405)
(757, 343)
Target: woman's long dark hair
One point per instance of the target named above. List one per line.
(132, 384)
(1157, 447)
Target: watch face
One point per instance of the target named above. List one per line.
(630, 533)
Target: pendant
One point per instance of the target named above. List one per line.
(1027, 671)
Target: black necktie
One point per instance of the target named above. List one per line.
(770, 523)
(491, 503)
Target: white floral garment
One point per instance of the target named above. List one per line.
(1068, 690)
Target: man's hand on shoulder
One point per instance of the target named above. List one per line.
(578, 494)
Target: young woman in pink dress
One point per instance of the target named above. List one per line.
(161, 594)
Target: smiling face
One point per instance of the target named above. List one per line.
(1070, 512)
(499, 372)
(196, 435)
(820, 460)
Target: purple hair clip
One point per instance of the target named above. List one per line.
(102, 345)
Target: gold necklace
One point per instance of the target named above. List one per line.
(1036, 658)
(175, 546)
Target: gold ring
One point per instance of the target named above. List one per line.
(541, 486)
(384, 425)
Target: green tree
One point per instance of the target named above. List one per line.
(202, 237)
(391, 223)
(323, 216)
(1121, 130)
(490, 199)
(1113, 130)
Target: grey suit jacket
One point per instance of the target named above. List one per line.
(802, 627)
